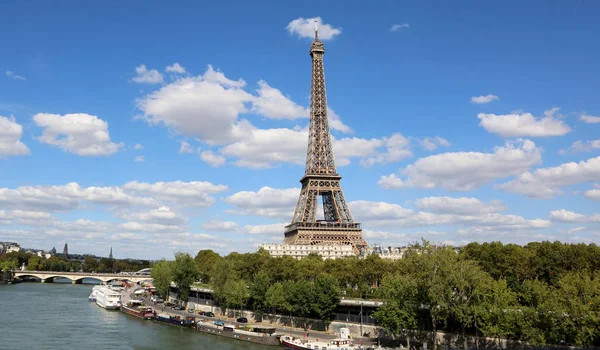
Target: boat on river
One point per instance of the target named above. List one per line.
(188, 321)
(92, 296)
(135, 309)
(254, 334)
(108, 299)
(342, 343)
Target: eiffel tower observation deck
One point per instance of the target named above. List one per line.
(321, 178)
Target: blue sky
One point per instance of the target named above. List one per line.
(477, 122)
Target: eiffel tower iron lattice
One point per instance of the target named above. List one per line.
(321, 177)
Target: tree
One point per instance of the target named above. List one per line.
(275, 298)
(34, 263)
(236, 294)
(300, 296)
(258, 291)
(184, 272)
(205, 260)
(221, 273)
(162, 277)
(326, 298)
(90, 264)
(398, 314)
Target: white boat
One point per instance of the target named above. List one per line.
(92, 296)
(108, 298)
(343, 342)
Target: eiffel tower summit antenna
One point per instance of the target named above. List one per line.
(321, 178)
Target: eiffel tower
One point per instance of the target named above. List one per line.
(321, 177)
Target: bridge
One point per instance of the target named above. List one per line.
(77, 277)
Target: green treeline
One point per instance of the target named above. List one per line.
(14, 260)
(541, 293)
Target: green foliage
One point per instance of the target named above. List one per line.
(399, 312)
(275, 298)
(184, 272)
(326, 297)
(162, 277)
(236, 294)
(258, 291)
(205, 260)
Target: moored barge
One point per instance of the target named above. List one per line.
(259, 335)
(188, 321)
(144, 312)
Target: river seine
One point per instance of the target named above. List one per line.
(59, 316)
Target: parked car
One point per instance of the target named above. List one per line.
(191, 311)
(210, 314)
(242, 320)
(219, 323)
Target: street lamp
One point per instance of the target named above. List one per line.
(361, 331)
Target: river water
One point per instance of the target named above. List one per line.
(59, 316)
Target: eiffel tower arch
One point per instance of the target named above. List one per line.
(321, 179)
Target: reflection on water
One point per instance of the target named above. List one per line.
(59, 316)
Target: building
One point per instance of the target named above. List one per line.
(66, 251)
(12, 247)
(43, 254)
(337, 232)
(392, 253)
(299, 251)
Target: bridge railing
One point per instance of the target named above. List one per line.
(128, 274)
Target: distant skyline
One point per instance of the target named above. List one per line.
(155, 128)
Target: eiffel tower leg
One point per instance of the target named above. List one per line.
(344, 211)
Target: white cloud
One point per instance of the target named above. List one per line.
(268, 202)
(14, 76)
(265, 230)
(212, 158)
(589, 119)
(162, 215)
(593, 194)
(484, 99)
(523, 124)
(397, 147)
(10, 138)
(431, 143)
(146, 76)
(397, 27)
(138, 146)
(582, 146)
(335, 123)
(67, 197)
(272, 104)
(139, 159)
(150, 227)
(26, 217)
(566, 216)
(382, 214)
(185, 148)
(260, 148)
(206, 106)
(220, 226)
(569, 216)
(195, 193)
(460, 206)
(78, 133)
(305, 28)
(175, 68)
(465, 171)
(112, 195)
(547, 182)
